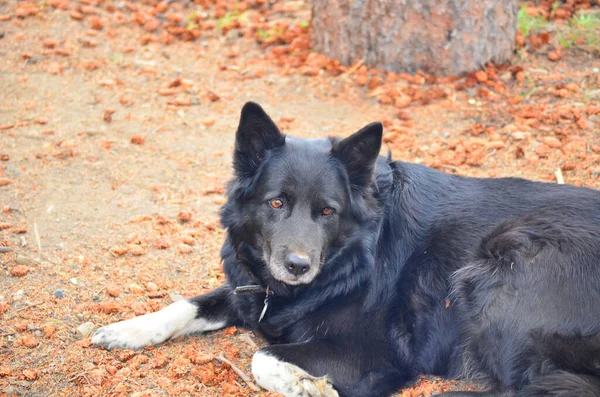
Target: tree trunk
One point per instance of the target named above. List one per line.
(441, 37)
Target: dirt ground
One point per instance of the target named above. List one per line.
(116, 130)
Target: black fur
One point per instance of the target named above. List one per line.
(416, 271)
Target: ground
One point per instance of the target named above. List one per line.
(116, 131)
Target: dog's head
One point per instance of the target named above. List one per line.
(294, 201)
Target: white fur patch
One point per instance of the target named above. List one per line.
(285, 378)
(174, 320)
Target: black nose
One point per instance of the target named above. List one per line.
(296, 264)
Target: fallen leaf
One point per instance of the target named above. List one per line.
(27, 340)
(137, 140)
(19, 271)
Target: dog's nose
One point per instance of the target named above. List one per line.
(297, 264)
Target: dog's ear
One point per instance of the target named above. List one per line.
(359, 152)
(256, 134)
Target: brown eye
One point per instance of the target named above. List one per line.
(327, 211)
(276, 203)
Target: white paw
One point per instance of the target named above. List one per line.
(131, 334)
(288, 379)
(174, 320)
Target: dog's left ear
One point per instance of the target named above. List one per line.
(256, 134)
(359, 152)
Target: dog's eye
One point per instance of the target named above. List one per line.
(277, 203)
(327, 211)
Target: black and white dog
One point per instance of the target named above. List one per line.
(364, 272)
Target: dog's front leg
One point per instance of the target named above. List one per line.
(329, 367)
(208, 312)
(279, 371)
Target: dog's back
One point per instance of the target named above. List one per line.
(518, 265)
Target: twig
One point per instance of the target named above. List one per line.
(27, 306)
(8, 334)
(375, 92)
(12, 209)
(37, 240)
(78, 375)
(559, 177)
(157, 129)
(354, 68)
(144, 63)
(239, 372)
(111, 388)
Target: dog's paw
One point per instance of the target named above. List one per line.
(150, 329)
(316, 387)
(288, 379)
(130, 334)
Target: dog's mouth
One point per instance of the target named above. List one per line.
(293, 275)
(280, 273)
(292, 266)
(297, 280)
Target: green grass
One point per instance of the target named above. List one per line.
(273, 32)
(192, 16)
(585, 21)
(116, 58)
(191, 26)
(563, 42)
(533, 86)
(231, 17)
(555, 6)
(581, 26)
(190, 21)
(263, 34)
(528, 24)
(227, 20)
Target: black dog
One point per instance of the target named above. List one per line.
(364, 273)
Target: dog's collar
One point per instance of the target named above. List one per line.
(249, 289)
(256, 289)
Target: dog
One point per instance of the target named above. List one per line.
(363, 273)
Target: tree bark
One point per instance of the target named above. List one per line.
(441, 37)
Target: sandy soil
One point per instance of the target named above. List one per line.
(116, 131)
